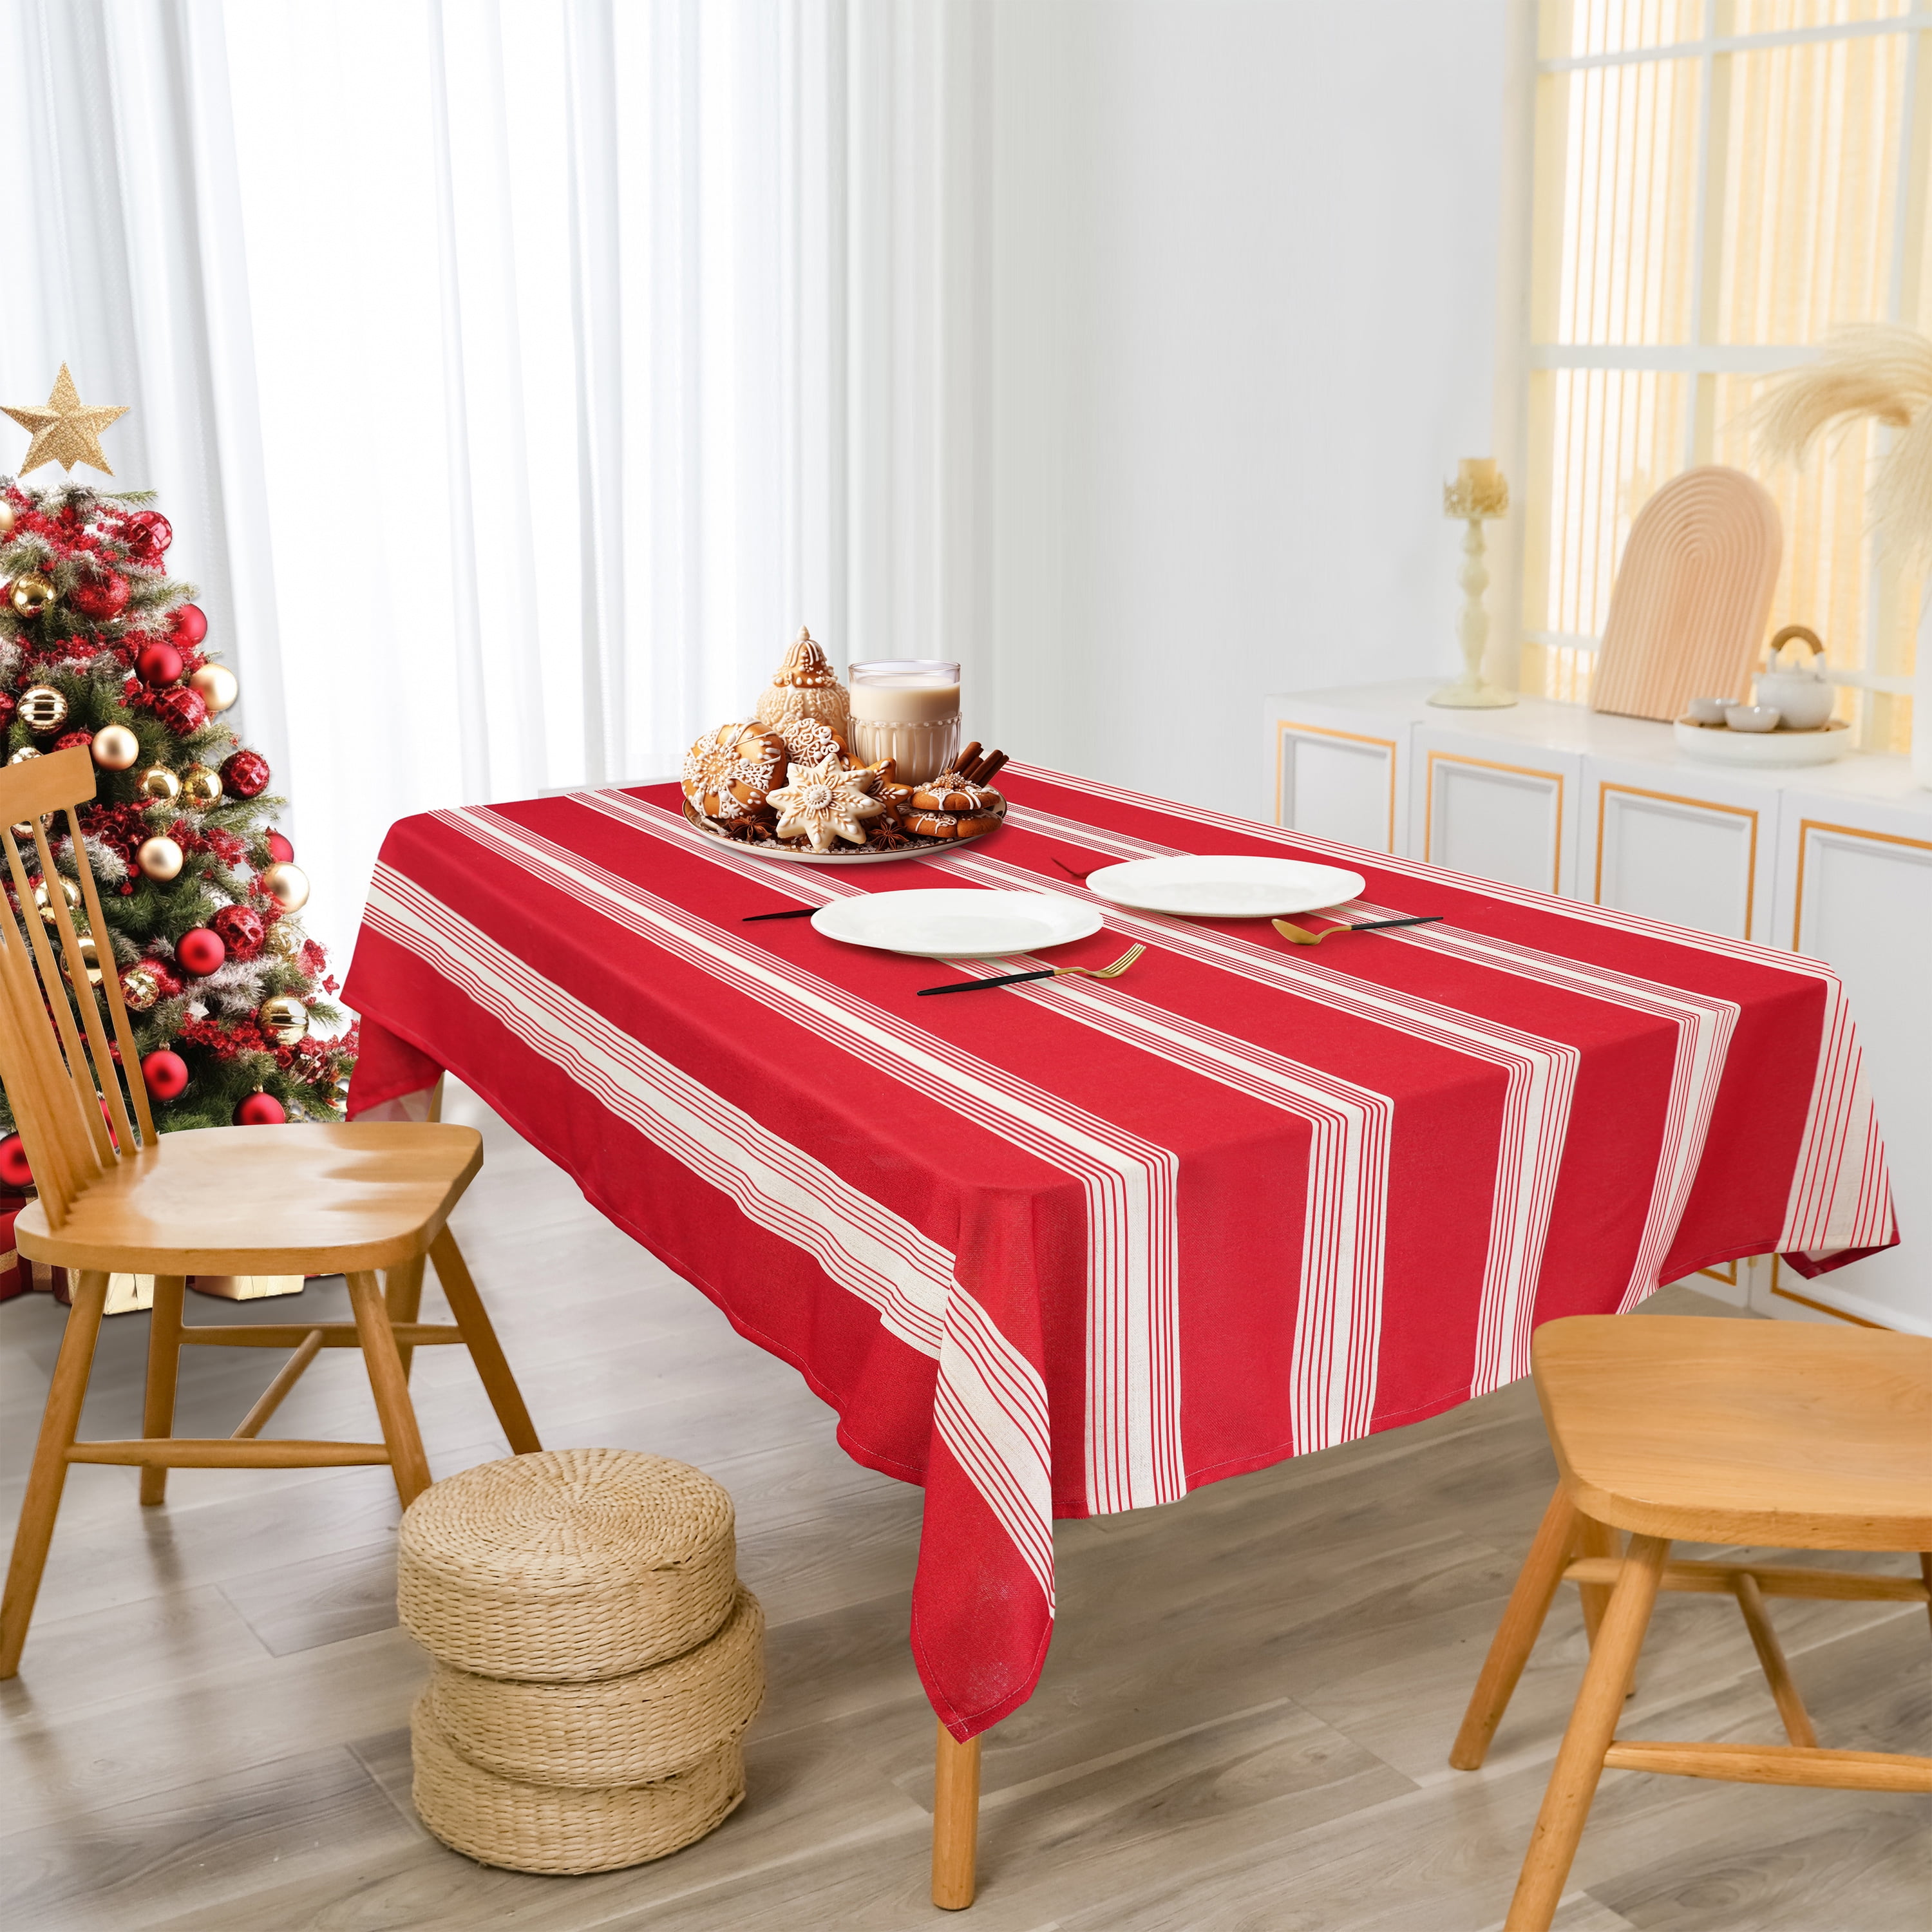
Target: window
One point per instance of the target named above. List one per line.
(1719, 183)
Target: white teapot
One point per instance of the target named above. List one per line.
(1804, 698)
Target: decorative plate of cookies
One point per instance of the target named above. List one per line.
(790, 789)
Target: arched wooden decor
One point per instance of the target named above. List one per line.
(1688, 608)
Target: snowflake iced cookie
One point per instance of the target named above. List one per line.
(821, 803)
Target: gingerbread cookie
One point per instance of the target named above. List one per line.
(822, 803)
(951, 792)
(809, 741)
(729, 772)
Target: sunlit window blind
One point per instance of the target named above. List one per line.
(1719, 183)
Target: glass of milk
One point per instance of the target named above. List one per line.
(906, 709)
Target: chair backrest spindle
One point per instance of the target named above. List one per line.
(66, 1090)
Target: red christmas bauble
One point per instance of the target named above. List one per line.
(245, 774)
(189, 625)
(260, 1110)
(182, 708)
(240, 929)
(67, 738)
(14, 1171)
(165, 1074)
(279, 850)
(160, 664)
(147, 534)
(100, 598)
(9, 704)
(200, 951)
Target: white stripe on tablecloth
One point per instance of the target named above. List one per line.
(1134, 1450)
(1703, 1023)
(1840, 1197)
(990, 1405)
(1539, 1074)
(1344, 1229)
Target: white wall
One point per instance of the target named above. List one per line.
(1242, 294)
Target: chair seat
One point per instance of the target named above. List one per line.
(1792, 1434)
(283, 1200)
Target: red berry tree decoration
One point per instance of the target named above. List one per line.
(229, 999)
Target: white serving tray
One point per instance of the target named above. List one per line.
(1229, 886)
(1719, 745)
(946, 923)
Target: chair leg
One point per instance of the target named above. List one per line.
(391, 1391)
(1536, 1586)
(485, 1351)
(403, 1293)
(48, 1476)
(1593, 1723)
(1595, 1539)
(956, 1821)
(1770, 1657)
(157, 1415)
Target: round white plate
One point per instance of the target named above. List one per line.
(1230, 887)
(946, 924)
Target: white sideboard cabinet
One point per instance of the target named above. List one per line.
(1831, 860)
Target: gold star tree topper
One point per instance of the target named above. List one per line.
(67, 431)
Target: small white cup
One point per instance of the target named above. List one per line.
(1707, 710)
(1752, 717)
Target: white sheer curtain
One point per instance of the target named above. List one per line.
(517, 374)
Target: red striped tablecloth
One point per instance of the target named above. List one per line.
(1078, 1246)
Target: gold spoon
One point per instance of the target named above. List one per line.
(1303, 937)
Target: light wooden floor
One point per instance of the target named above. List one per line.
(1243, 1723)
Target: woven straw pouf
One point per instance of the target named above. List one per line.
(618, 1730)
(538, 1827)
(567, 1567)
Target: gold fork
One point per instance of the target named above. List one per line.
(1112, 972)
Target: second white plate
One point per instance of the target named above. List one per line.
(948, 924)
(1229, 886)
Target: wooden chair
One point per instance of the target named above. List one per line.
(1759, 1434)
(114, 1197)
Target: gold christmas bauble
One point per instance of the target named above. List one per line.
(200, 788)
(160, 859)
(21, 757)
(32, 595)
(288, 886)
(90, 959)
(8, 515)
(285, 939)
(217, 686)
(114, 748)
(283, 1018)
(140, 987)
(42, 709)
(158, 785)
(69, 891)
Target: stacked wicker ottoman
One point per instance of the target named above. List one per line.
(597, 1660)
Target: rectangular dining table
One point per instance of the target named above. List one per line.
(1074, 1246)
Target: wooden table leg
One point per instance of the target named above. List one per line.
(956, 1821)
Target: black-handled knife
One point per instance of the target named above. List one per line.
(980, 985)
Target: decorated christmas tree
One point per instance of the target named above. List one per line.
(100, 646)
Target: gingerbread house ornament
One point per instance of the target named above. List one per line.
(804, 685)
